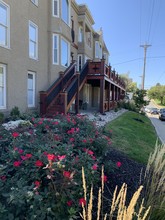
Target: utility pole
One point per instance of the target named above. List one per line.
(145, 46)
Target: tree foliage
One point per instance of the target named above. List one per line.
(130, 85)
(139, 98)
(157, 92)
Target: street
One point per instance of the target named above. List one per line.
(158, 124)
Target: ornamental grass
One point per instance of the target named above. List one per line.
(118, 209)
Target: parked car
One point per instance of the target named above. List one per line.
(162, 116)
(154, 111)
(161, 110)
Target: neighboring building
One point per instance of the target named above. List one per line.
(39, 42)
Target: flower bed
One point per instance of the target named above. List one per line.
(40, 167)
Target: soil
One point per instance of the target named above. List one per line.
(130, 172)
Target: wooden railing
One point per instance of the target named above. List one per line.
(47, 97)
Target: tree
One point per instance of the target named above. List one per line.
(157, 92)
(130, 85)
(138, 97)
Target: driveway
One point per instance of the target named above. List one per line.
(159, 126)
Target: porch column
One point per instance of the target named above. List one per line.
(109, 90)
(113, 93)
(77, 95)
(102, 88)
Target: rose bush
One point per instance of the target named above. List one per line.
(40, 167)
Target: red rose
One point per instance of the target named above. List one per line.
(17, 163)
(37, 183)
(50, 156)
(15, 134)
(69, 203)
(82, 201)
(118, 164)
(67, 174)
(39, 163)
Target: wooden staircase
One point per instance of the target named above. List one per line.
(60, 96)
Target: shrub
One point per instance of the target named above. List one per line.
(41, 167)
(15, 113)
(1, 117)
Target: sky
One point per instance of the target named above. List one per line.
(128, 25)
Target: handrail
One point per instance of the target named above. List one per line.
(57, 86)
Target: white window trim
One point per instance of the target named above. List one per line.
(97, 46)
(62, 38)
(34, 89)
(34, 25)
(4, 97)
(80, 38)
(35, 2)
(8, 25)
(69, 20)
(57, 36)
(57, 8)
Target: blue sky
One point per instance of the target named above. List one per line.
(126, 25)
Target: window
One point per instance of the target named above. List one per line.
(65, 53)
(55, 8)
(65, 11)
(80, 34)
(89, 39)
(4, 25)
(79, 63)
(2, 86)
(35, 2)
(33, 40)
(31, 89)
(55, 49)
(97, 48)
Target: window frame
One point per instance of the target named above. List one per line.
(55, 15)
(7, 27)
(35, 2)
(35, 42)
(33, 89)
(4, 86)
(53, 41)
(68, 55)
(66, 22)
(80, 34)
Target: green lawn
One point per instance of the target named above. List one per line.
(135, 138)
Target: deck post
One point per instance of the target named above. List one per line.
(77, 95)
(102, 88)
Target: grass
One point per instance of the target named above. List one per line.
(157, 101)
(133, 134)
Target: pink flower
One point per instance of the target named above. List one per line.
(15, 134)
(82, 201)
(28, 156)
(50, 156)
(84, 141)
(118, 164)
(38, 163)
(67, 174)
(69, 203)
(61, 157)
(3, 178)
(95, 166)
(71, 139)
(90, 152)
(20, 151)
(17, 163)
(23, 157)
(105, 178)
(37, 183)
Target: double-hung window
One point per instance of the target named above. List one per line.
(4, 25)
(2, 86)
(65, 11)
(65, 52)
(31, 89)
(33, 40)
(55, 49)
(55, 8)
